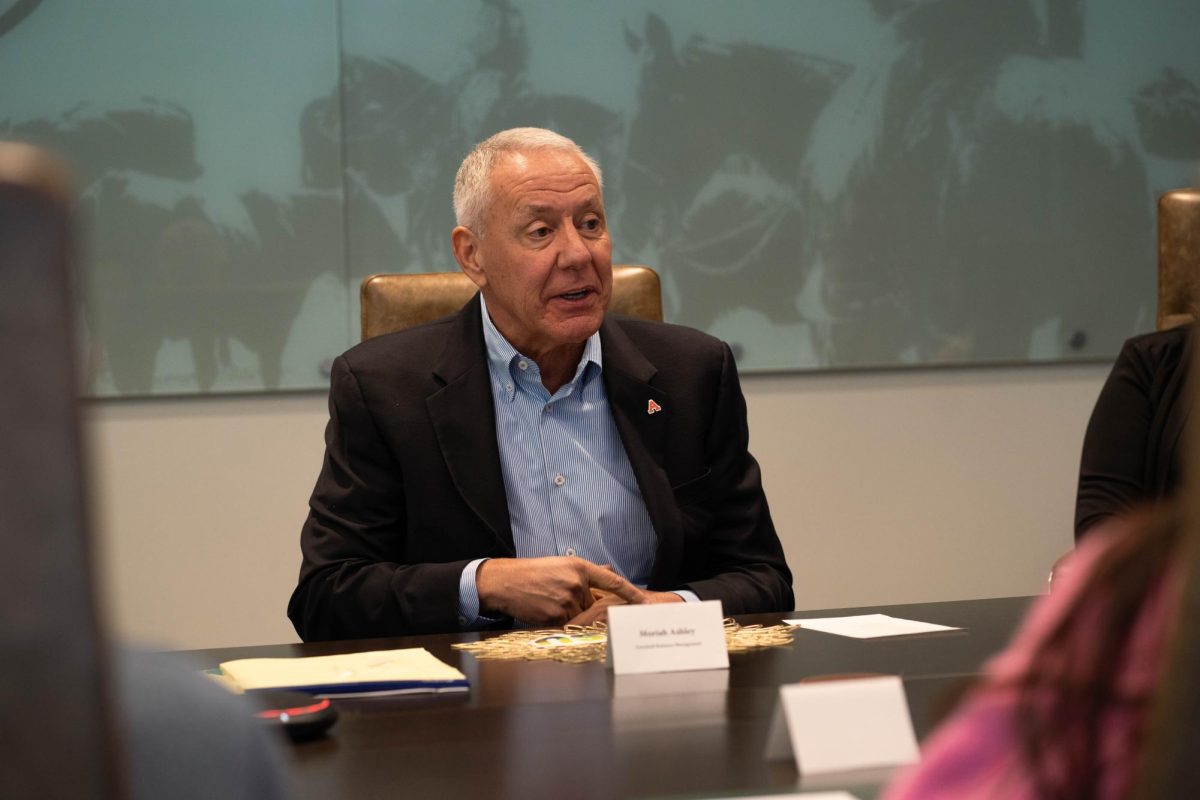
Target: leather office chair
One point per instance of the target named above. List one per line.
(1178, 257)
(393, 301)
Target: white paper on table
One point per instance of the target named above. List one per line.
(869, 626)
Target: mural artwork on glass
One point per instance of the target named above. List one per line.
(823, 183)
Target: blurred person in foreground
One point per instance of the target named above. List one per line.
(530, 459)
(1063, 711)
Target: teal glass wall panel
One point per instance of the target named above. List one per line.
(826, 183)
(823, 183)
(210, 262)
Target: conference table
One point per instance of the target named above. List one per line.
(530, 729)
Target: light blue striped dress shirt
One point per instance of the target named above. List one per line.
(571, 490)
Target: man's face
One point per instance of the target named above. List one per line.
(544, 261)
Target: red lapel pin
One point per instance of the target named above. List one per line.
(653, 407)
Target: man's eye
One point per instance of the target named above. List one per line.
(591, 224)
(540, 232)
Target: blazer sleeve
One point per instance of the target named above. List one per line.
(353, 582)
(745, 559)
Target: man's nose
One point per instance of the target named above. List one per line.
(574, 252)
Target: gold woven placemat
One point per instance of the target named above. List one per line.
(577, 644)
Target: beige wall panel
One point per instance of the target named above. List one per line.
(886, 487)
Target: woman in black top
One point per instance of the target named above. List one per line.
(1132, 449)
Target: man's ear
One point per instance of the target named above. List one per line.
(465, 244)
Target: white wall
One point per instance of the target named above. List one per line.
(886, 487)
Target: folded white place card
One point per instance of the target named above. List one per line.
(666, 637)
(843, 725)
(869, 626)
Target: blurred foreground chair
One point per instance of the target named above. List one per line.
(56, 684)
(1178, 257)
(394, 301)
(80, 722)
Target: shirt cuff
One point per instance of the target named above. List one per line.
(469, 617)
(688, 595)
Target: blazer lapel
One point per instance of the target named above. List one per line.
(642, 414)
(465, 422)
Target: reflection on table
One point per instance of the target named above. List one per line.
(547, 729)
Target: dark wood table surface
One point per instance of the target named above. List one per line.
(531, 729)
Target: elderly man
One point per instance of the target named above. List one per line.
(529, 460)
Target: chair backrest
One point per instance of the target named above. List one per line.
(1178, 257)
(54, 674)
(392, 302)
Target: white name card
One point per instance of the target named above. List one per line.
(843, 725)
(666, 637)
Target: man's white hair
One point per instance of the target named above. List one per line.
(472, 184)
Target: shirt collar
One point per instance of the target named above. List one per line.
(501, 354)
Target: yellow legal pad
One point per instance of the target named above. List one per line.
(378, 672)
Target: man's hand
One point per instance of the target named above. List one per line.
(599, 609)
(550, 590)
